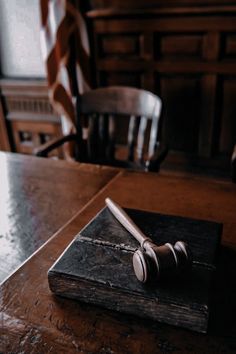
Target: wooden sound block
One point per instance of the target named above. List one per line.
(97, 268)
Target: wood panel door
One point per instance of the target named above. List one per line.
(185, 55)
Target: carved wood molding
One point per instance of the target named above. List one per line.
(218, 10)
(100, 4)
(27, 100)
(28, 113)
(120, 8)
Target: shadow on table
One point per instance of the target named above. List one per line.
(223, 304)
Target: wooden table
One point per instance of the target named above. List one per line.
(37, 197)
(35, 321)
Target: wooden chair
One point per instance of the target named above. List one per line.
(100, 110)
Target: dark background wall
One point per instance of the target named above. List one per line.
(184, 51)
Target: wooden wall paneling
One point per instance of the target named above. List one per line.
(227, 133)
(4, 140)
(182, 102)
(147, 54)
(120, 77)
(115, 47)
(180, 52)
(165, 23)
(211, 46)
(178, 46)
(29, 114)
(134, 4)
(229, 46)
(228, 118)
(206, 143)
(30, 134)
(208, 127)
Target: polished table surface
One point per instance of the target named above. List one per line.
(35, 321)
(37, 197)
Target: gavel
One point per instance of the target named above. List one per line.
(150, 262)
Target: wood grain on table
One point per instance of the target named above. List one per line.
(35, 321)
(37, 197)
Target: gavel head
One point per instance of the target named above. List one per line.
(151, 262)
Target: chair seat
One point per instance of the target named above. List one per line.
(119, 164)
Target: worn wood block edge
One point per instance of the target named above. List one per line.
(96, 294)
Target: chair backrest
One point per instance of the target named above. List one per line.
(104, 106)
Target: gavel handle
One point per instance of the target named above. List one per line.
(125, 220)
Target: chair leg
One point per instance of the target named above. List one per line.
(153, 165)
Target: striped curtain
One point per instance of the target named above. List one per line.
(65, 49)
